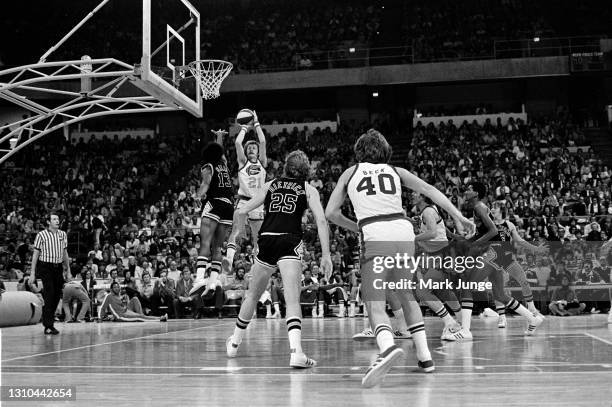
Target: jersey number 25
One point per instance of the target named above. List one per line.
(283, 203)
(386, 185)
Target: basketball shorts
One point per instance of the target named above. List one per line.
(497, 257)
(218, 210)
(255, 214)
(276, 248)
(382, 243)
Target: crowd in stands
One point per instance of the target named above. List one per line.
(554, 188)
(279, 35)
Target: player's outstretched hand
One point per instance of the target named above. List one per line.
(255, 118)
(465, 227)
(326, 265)
(544, 249)
(219, 132)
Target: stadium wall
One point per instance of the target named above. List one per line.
(401, 74)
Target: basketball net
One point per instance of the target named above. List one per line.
(211, 73)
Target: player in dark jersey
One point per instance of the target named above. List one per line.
(217, 197)
(280, 247)
(511, 266)
(497, 256)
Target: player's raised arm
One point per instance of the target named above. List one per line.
(333, 212)
(418, 185)
(261, 137)
(207, 172)
(242, 159)
(314, 203)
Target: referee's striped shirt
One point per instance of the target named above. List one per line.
(51, 245)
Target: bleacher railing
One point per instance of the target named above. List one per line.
(355, 57)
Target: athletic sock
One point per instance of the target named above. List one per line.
(201, 265)
(445, 316)
(231, 252)
(294, 330)
(466, 313)
(215, 269)
(515, 306)
(500, 309)
(352, 311)
(457, 312)
(239, 330)
(400, 320)
(420, 341)
(530, 305)
(384, 337)
(268, 309)
(276, 308)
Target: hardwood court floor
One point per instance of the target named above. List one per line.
(183, 363)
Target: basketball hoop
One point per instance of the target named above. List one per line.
(211, 72)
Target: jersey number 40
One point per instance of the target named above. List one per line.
(386, 185)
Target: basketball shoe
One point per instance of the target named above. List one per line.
(377, 370)
(231, 347)
(364, 335)
(301, 361)
(501, 322)
(533, 324)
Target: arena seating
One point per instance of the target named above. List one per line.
(574, 199)
(276, 35)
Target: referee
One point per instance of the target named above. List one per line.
(49, 254)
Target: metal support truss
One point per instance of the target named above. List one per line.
(108, 77)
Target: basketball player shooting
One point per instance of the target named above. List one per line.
(252, 161)
(375, 190)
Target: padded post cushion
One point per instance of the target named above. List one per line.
(19, 308)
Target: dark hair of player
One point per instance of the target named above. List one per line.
(248, 143)
(427, 200)
(372, 147)
(297, 165)
(480, 189)
(212, 153)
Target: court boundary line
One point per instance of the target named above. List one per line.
(312, 373)
(598, 338)
(552, 364)
(112, 342)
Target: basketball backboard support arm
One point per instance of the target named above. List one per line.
(19, 85)
(74, 29)
(100, 101)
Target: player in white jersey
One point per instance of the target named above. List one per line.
(433, 241)
(375, 190)
(252, 161)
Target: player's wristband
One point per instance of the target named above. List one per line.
(256, 124)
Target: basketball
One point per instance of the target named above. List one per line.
(245, 117)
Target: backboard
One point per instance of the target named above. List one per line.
(170, 38)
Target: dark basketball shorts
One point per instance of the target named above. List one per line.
(219, 210)
(276, 248)
(498, 258)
